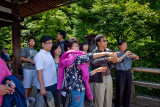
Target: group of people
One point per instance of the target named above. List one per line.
(67, 68)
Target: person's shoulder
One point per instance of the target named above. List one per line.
(108, 50)
(25, 48)
(95, 50)
(117, 50)
(39, 53)
(38, 56)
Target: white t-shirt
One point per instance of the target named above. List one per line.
(44, 61)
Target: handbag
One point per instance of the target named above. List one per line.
(68, 99)
(45, 101)
(69, 96)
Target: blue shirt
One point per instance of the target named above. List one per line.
(125, 64)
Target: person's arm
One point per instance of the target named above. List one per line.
(122, 57)
(6, 70)
(134, 56)
(60, 77)
(100, 69)
(85, 58)
(126, 54)
(104, 60)
(22, 58)
(97, 55)
(59, 85)
(39, 64)
(40, 79)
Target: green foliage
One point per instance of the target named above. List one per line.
(147, 91)
(128, 20)
(48, 23)
(5, 39)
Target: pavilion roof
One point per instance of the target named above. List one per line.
(27, 8)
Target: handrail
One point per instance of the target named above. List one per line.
(150, 70)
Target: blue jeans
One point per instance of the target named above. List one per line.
(77, 99)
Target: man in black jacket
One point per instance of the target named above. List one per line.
(102, 81)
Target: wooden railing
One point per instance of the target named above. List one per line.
(140, 100)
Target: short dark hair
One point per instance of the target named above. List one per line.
(5, 48)
(68, 43)
(63, 33)
(54, 47)
(45, 38)
(81, 46)
(98, 38)
(31, 38)
(121, 42)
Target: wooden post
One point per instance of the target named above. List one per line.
(16, 40)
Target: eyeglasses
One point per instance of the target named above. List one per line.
(105, 40)
(49, 43)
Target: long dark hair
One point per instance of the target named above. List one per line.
(54, 47)
(81, 46)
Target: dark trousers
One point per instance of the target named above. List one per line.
(53, 90)
(123, 88)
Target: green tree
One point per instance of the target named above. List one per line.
(130, 20)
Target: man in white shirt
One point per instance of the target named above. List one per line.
(46, 70)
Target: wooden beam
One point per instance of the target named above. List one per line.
(5, 4)
(16, 41)
(147, 84)
(150, 70)
(147, 101)
(9, 16)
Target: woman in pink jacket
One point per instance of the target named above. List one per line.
(74, 64)
(4, 72)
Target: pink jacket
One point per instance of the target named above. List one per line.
(65, 61)
(4, 72)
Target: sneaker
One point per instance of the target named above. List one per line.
(27, 101)
(32, 99)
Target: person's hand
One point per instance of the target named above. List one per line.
(31, 61)
(113, 58)
(58, 97)
(13, 86)
(43, 91)
(91, 103)
(5, 90)
(134, 56)
(101, 69)
(128, 52)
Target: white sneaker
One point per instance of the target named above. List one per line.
(32, 99)
(27, 101)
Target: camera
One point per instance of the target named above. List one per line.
(10, 84)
